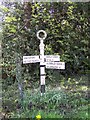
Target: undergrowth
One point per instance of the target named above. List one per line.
(54, 104)
(66, 101)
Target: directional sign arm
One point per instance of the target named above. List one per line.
(31, 59)
(55, 65)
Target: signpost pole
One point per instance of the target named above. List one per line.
(42, 68)
(42, 63)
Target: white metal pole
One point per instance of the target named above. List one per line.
(42, 63)
(42, 67)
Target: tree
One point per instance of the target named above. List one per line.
(67, 26)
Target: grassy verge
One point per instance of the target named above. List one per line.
(58, 102)
(54, 104)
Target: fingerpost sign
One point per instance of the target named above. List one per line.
(48, 61)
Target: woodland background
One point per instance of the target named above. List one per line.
(67, 27)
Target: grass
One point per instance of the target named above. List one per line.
(58, 102)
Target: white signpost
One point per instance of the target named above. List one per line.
(48, 61)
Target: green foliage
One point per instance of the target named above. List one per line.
(10, 98)
(67, 27)
(58, 102)
(54, 104)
